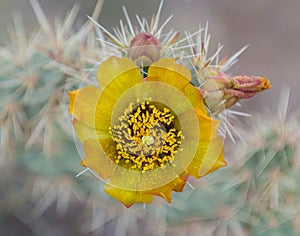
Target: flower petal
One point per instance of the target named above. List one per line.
(195, 97)
(93, 107)
(98, 156)
(128, 198)
(83, 104)
(85, 132)
(208, 128)
(167, 71)
(112, 93)
(208, 158)
(114, 67)
(166, 190)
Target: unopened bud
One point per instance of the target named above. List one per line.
(144, 49)
(248, 84)
(222, 91)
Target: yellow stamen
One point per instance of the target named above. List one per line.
(146, 137)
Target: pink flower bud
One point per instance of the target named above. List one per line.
(222, 91)
(144, 49)
(248, 84)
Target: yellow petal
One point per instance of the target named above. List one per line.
(114, 67)
(218, 164)
(167, 71)
(83, 104)
(179, 187)
(195, 97)
(112, 93)
(128, 198)
(152, 181)
(208, 158)
(208, 128)
(72, 95)
(166, 190)
(98, 156)
(85, 132)
(93, 107)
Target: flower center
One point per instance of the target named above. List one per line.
(147, 140)
(146, 136)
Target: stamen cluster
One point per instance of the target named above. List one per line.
(146, 137)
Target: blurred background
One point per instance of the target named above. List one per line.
(271, 28)
(260, 195)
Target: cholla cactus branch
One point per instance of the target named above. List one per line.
(256, 194)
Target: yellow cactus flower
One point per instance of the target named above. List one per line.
(145, 136)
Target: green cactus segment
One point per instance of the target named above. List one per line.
(258, 192)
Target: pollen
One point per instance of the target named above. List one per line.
(146, 136)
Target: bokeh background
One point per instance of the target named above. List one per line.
(271, 28)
